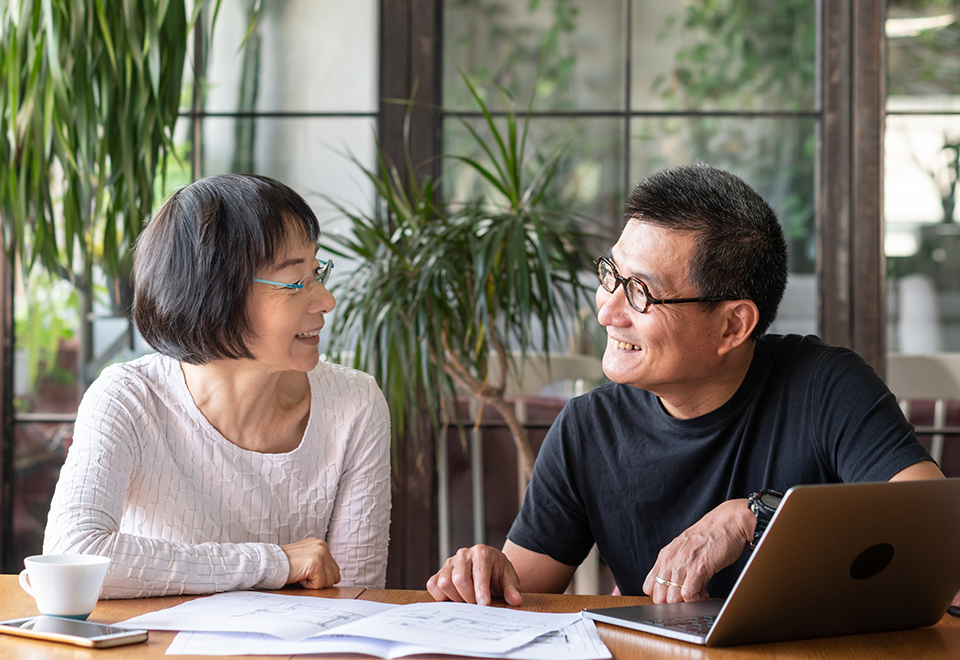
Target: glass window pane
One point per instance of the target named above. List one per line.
(727, 55)
(39, 452)
(589, 178)
(303, 56)
(500, 42)
(923, 70)
(45, 383)
(922, 239)
(47, 345)
(312, 156)
(922, 233)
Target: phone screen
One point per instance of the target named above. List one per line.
(85, 633)
(86, 629)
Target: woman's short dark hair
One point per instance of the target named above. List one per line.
(195, 262)
(741, 250)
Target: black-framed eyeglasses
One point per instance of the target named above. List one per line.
(304, 285)
(636, 291)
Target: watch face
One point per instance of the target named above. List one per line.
(770, 500)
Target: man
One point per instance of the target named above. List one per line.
(704, 409)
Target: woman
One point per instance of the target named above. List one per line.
(232, 458)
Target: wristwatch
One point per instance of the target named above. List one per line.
(764, 504)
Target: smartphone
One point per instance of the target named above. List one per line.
(71, 631)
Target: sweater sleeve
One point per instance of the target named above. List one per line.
(88, 505)
(358, 531)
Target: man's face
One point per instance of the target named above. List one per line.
(671, 350)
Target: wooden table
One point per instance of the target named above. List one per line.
(939, 641)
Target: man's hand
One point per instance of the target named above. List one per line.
(690, 560)
(473, 575)
(311, 564)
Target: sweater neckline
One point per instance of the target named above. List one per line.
(174, 374)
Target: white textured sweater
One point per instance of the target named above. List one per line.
(150, 483)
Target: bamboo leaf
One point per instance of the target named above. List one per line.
(105, 32)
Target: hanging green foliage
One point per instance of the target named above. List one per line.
(89, 96)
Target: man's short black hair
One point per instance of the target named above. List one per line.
(195, 262)
(741, 251)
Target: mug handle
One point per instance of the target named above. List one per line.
(25, 582)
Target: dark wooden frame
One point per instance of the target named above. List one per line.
(410, 70)
(8, 562)
(851, 264)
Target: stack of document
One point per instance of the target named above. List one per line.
(256, 623)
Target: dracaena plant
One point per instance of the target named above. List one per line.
(445, 291)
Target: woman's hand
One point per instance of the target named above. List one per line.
(311, 564)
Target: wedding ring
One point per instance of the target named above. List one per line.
(667, 583)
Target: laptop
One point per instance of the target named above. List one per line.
(835, 559)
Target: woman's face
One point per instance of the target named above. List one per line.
(286, 322)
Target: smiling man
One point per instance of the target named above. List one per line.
(663, 467)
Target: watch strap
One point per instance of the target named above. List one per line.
(763, 512)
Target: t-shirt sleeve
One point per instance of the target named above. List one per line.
(553, 520)
(858, 425)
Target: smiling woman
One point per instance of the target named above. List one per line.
(233, 458)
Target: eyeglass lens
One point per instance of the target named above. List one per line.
(610, 278)
(320, 275)
(323, 272)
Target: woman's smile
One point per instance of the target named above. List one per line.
(311, 337)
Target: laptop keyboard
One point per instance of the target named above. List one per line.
(697, 625)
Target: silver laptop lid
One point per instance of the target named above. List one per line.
(843, 559)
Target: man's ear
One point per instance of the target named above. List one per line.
(740, 319)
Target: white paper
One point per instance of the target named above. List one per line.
(286, 617)
(209, 643)
(459, 627)
(578, 641)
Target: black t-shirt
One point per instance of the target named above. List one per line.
(618, 470)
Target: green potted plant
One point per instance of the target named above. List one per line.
(89, 96)
(446, 291)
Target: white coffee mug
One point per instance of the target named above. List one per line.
(64, 585)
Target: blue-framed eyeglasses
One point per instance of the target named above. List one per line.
(304, 285)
